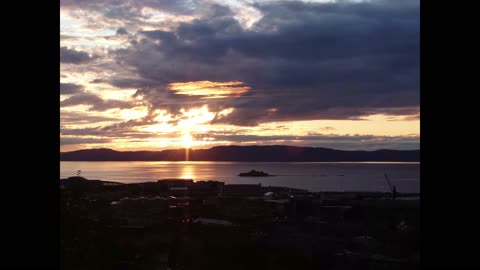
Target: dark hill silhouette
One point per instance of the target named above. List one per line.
(272, 153)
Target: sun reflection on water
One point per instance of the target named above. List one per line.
(188, 172)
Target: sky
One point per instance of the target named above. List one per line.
(162, 74)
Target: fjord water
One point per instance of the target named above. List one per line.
(313, 176)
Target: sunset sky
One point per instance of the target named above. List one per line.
(159, 74)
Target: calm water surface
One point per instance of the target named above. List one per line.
(313, 176)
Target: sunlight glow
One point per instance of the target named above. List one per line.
(187, 140)
(163, 116)
(159, 128)
(195, 117)
(226, 112)
(133, 113)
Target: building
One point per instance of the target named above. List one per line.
(208, 221)
(243, 191)
(178, 191)
(176, 182)
(147, 211)
(206, 189)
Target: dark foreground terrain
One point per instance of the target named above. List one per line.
(181, 224)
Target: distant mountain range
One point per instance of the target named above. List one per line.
(272, 153)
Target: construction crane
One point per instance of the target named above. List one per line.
(392, 187)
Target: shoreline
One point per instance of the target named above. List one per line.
(266, 189)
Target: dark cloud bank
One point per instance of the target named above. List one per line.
(306, 60)
(72, 56)
(70, 88)
(301, 60)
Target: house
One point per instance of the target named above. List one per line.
(243, 190)
(206, 189)
(207, 221)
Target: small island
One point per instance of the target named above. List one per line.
(255, 174)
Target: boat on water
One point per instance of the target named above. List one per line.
(254, 173)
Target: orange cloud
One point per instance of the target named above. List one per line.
(209, 89)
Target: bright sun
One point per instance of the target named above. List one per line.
(187, 140)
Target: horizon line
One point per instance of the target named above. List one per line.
(184, 148)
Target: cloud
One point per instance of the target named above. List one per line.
(72, 56)
(96, 103)
(70, 88)
(301, 61)
(413, 117)
(117, 129)
(342, 60)
(99, 131)
(82, 140)
(125, 9)
(342, 142)
(121, 31)
(129, 82)
(208, 89)
(97, 81)
(75, 118)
